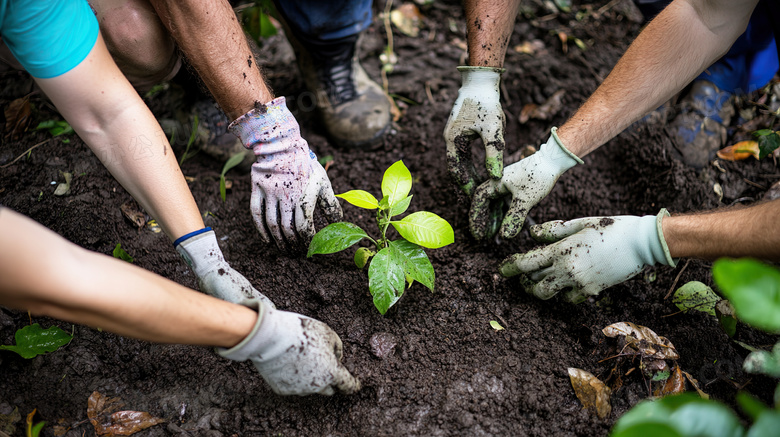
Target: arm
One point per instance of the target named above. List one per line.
(489, 25)
(683, 40)
(736, 232)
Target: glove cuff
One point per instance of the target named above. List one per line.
(667, 259)
(261, 126)
(554, 136)
(200, 251)
(480, 77)
(256, 341)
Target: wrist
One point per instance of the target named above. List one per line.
(662, 254)
(482, 78)
(200, 251)
(257, 340)
(264, 125)
(557, 154)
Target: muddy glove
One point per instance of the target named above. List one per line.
(591, 254)
(295, 355)
(528, 181)
(287, 180)
(215, 277)
(476, 113)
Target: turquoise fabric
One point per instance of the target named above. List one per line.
(48, 37)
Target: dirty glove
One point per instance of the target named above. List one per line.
(528, 181)
(215, 277)
(287, 180)
(591, 254)
(476, 113)
(295, 355)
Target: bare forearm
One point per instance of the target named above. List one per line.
(208, 33)
(687, 37)
(751, 231)
(79, 286)
(489, 25)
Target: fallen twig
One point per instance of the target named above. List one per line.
(674, 284)
(24, 153)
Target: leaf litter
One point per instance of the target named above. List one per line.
(102, 413)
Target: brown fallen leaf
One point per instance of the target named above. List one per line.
(101, 411)
(695, 385)
(674, 385)
(642, 341)
(544, 111)
(741, 150)
(17, 117)
(593, 393)
(407, 19)
(132, 212)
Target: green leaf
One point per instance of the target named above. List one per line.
(662, 376)
(385, 280)
(335, 237)
(682, 415)
(767, 425)
(724, 310)
(753, 288)
(415, 262)
(362, 255)
(563, 5)
(55, 127)
(750, 405)
(222, 188)
(35, 431)
(33, 340)
(232, 162)
(767, 363)
(396, 183)
(426, 229)
(401, 206)
(360, 198)
(768, 141)
(495, 325)
(267, 29)
(120, 253)
(696, 296)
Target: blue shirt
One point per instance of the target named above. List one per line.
(48, 37)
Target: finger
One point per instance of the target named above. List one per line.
(343, 381)
(480, 211)
(287, 223)
(553, 231)
(550, 286)
(256, 206)
(329, 204)
(528, 262)
(515, 217)
(459, 162)
(494, 149)
(272, 221)
(575, 296)
(541, 274)
(304, 215)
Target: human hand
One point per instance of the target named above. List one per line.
(476, 113)
(215, 276)
(528, 181)
(589, 255)
(295, 354)
(287, 180)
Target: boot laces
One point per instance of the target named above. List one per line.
(338, 83)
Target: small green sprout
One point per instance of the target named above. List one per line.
(120, 253)
(231, 162)
(186, 155)
(393, 264)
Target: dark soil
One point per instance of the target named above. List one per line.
(449, 372)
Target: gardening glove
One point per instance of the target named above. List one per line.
(295, 355)
(287, 180)
(215, 277)
(528, 181)
(476, 113)
(591, 254)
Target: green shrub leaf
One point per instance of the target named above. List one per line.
(396, 183)
(401, 206)
(753, 288)
(415, 262)
(360, 198)
(767, 424)
(767, 363)
(335, 237)
(696, 296)
(33, 340)
(750, 405)
(426, 229)
(768, 141)
(385, 280)
(362, 255)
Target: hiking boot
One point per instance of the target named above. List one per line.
(354, 109)
(699, 131)
(212, 136)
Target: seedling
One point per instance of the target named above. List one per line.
(32, 340)
(33, 430)
(394, 262)
(120, 253)
(232, 162)
(56, 128)
(190, 141)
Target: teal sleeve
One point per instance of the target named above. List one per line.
(49, 37)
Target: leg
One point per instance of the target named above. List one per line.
(139, 43)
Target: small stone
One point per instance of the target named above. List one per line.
(382, 344)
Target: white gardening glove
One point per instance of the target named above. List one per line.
(528, 181)
(295, 354)
(476, 114)
(215, 276)
(287, 180)
(593, 254)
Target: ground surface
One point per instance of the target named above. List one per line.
(449, 373)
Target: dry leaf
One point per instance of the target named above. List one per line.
(593, 393)
(100, 411)
(564, 38)
(17, 117)
(545, 111)
(674, 385)
(131, 212)
(642, 341)
(407, 19)
(741, 150)
(695, 385)
(530, 47)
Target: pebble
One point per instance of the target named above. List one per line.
(382, 344)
